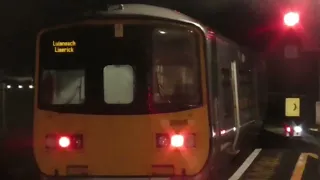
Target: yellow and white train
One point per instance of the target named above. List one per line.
(142, 92)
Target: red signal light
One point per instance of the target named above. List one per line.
(64, 141)
(291, 19)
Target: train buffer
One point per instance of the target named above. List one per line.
(278, 164)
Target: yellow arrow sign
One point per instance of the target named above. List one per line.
(292, 107)
(301, 165)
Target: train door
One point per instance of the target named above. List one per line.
(227, 124)
(236, 110)
(246, 107)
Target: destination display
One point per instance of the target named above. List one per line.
(64, 46)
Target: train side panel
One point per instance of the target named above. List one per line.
(238, 105)
(223, 55)
(261, 85)
(249, 72)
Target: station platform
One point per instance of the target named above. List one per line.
(288, 158)
(278, 164)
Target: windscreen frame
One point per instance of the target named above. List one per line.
(200, 35)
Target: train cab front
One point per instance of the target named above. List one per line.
(293, 128)
(122, 98)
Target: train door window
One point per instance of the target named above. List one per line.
(246, 93)
(214, 63)
(63, 87)
(118, 84)
(224, 57)
(227, 92)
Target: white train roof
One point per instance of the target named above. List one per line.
(149, 11)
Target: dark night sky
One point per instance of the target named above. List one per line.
(21, 19)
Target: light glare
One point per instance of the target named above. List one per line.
(291, 19)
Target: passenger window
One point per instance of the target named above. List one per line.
(246, 93)
(175, 70)
(227, 92)
(63, 87)
(118, 84)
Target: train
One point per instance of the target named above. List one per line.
(143, 92)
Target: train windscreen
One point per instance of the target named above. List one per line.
(119, 69)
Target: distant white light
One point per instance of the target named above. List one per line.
(297, 129)
(20, 86)
(8, 86)
(31, 86)
(162, 32)
(234, 128)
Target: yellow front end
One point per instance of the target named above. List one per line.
(123, 145)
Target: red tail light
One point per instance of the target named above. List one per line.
(64, 141)
(288, 129)
(176, 140)
(223, 132)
